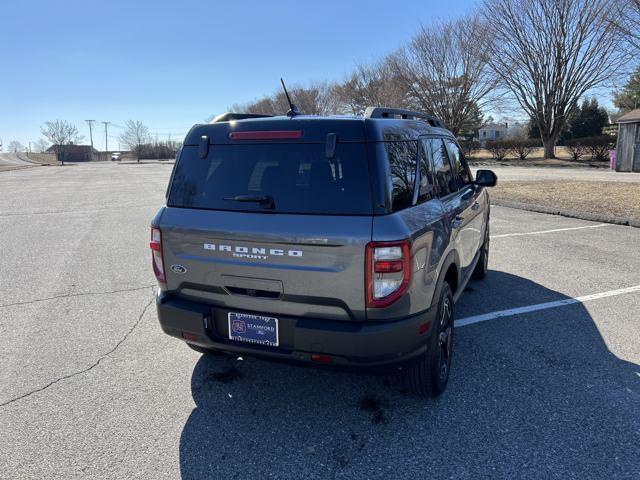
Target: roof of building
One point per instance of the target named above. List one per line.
(494, 126)
(70, 148)
(630, 117)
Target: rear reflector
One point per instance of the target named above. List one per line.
(321, 358)
(266, 135)
(189, 336)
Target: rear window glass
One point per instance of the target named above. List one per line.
(402, 164)
(295, 178)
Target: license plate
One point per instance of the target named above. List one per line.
(244, 327)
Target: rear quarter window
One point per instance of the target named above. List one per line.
(444, 179)
(298, 177)
(402, 158)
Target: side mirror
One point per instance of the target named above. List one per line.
(486, 178)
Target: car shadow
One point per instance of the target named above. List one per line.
(538, 395)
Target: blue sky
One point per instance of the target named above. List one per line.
(172, 64)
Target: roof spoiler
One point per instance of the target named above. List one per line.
(229, 116)
(384, 112)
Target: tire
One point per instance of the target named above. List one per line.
(205, 351)
(428, 377)
(483, 262)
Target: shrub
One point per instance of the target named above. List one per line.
(522, 148)
(598, 147)
(469, 147)
(500, 149)
(576, 149)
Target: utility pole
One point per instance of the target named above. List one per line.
(106, 141)
(91, 122)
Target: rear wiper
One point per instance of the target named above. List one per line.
(265, 201)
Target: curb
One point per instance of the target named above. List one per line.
(631, 222)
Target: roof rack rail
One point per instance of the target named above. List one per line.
(384, 112)
(229, 116)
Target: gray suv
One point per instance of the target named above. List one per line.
(340, 242)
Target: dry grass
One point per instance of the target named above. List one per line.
(620, 200)
(44, 158)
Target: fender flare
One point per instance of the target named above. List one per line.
(451, 259)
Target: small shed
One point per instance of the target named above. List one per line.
(628, 148)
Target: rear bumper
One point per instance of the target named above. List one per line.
(350, 345)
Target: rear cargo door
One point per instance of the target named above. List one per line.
(273, 228)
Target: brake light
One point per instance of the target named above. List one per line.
(387, 272)
(156, 254)
(266, 135)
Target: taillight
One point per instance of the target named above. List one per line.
(156, 254)
(387, 272)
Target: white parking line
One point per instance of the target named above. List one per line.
(550, 231)
(542, 306)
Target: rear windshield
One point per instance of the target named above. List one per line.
(282, 177)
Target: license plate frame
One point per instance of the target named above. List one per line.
(253, 329)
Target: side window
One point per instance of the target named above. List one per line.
(460, 169)
(402, 165)
(441, 167)
(426, 187)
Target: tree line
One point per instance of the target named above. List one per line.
(135, 137)
(542, 56)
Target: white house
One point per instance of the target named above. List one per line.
(492, 131)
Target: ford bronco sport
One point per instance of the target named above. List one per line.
(332, 241)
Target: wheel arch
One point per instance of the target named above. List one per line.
(449, 272)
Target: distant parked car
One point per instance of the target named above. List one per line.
(116, 156)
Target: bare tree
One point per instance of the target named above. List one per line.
(61, 134)
(370, 85)
(15, 146)
(40, 145)
(135, 135)
(444, 70)
(627, 22)
(316, 99)
(549, 53)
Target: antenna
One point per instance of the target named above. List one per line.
(293, 110)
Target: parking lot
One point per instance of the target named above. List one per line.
(542, 385)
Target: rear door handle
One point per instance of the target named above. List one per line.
(475, 206)
(457, 222)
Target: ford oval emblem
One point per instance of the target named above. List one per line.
(178, 269)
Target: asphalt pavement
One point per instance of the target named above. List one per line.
(9, 161)
(542, 385)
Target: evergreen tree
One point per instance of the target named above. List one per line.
(629, 97)
(588, 120)
(473, 123)
(533, 130)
